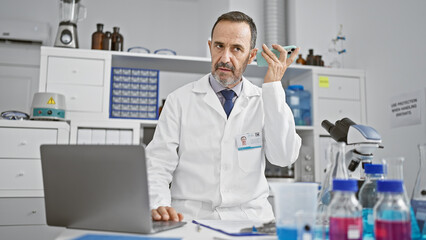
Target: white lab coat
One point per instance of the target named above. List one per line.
(195, 148)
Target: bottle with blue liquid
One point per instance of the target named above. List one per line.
(418, 199)
(393, 167)
(299, 101)
(391, 213)
(368, 197)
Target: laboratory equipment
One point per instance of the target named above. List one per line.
(106, 42)
(48, 106)
(391, 213)
(116, 40)
(14, 115)
(345, 211)
(418, 200)
(336, 170)
(98, 37)
(336, 52)
(368, 197)
(394, 170)
(299, 101)
(70, 12)
(362, 141)
(295, 209)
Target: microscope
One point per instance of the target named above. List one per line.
(361, 142)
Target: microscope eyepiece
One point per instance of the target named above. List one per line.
(327, 125)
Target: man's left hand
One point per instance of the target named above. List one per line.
(277, 66)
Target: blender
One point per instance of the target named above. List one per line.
(70, 11)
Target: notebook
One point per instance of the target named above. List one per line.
(98, 187)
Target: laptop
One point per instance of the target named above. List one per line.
(98, 187)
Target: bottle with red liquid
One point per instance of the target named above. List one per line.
(391, 213)
(345, 211)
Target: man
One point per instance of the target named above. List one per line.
(196, 144)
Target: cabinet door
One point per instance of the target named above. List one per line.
(22, 211)
(17, 87)
(79, 98)
(75, 71)
(19, 174)
(341, 88)
(25, 142)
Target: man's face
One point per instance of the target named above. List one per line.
(230, 51)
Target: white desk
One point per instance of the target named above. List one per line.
(187, 232)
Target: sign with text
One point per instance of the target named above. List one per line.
(406, 109)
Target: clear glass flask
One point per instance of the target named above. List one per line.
(391, 213)
(394, 168)
(368, 197)
(336, 170)
(418, 199)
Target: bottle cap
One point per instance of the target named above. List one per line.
(295, 87)
(373, 168)
(349, 185)
(395, 186)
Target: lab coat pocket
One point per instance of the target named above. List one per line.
(250, 159)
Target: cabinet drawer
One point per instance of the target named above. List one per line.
(75, 71)
(20, 174)
(341, 88)
(22, 211)
(24, 142)
(79, 98)
(333, 110)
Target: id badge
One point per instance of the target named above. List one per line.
(249, 141)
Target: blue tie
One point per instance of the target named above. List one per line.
(228, 95)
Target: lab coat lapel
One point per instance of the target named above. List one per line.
(247, 92)
(210, 97)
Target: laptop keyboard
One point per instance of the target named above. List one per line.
(159, 226)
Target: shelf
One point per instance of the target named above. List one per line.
(304, 128)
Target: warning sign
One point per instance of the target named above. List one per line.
(406, 109)
(51, 101)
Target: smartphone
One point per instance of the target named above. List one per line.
(261, 62)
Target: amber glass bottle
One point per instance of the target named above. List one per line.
(300, 60)
(106, 42)
(98, 37)
(310, 58)
(116, 40)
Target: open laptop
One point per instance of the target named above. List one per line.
(98, 187)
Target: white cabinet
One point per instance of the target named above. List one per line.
(105, 132)
(21, 183)
(336, 93)
(80, 78)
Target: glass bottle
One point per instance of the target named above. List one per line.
(106, 41)
(391, 213)
(98, 37)
(300, 60)
(336, 170)
(418, 199)
(394, 168)
(310, 58)
(116, 40)
(368, 197)
(345, 211)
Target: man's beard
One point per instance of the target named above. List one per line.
(231, 81)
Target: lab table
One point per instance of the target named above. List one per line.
(189, 231)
